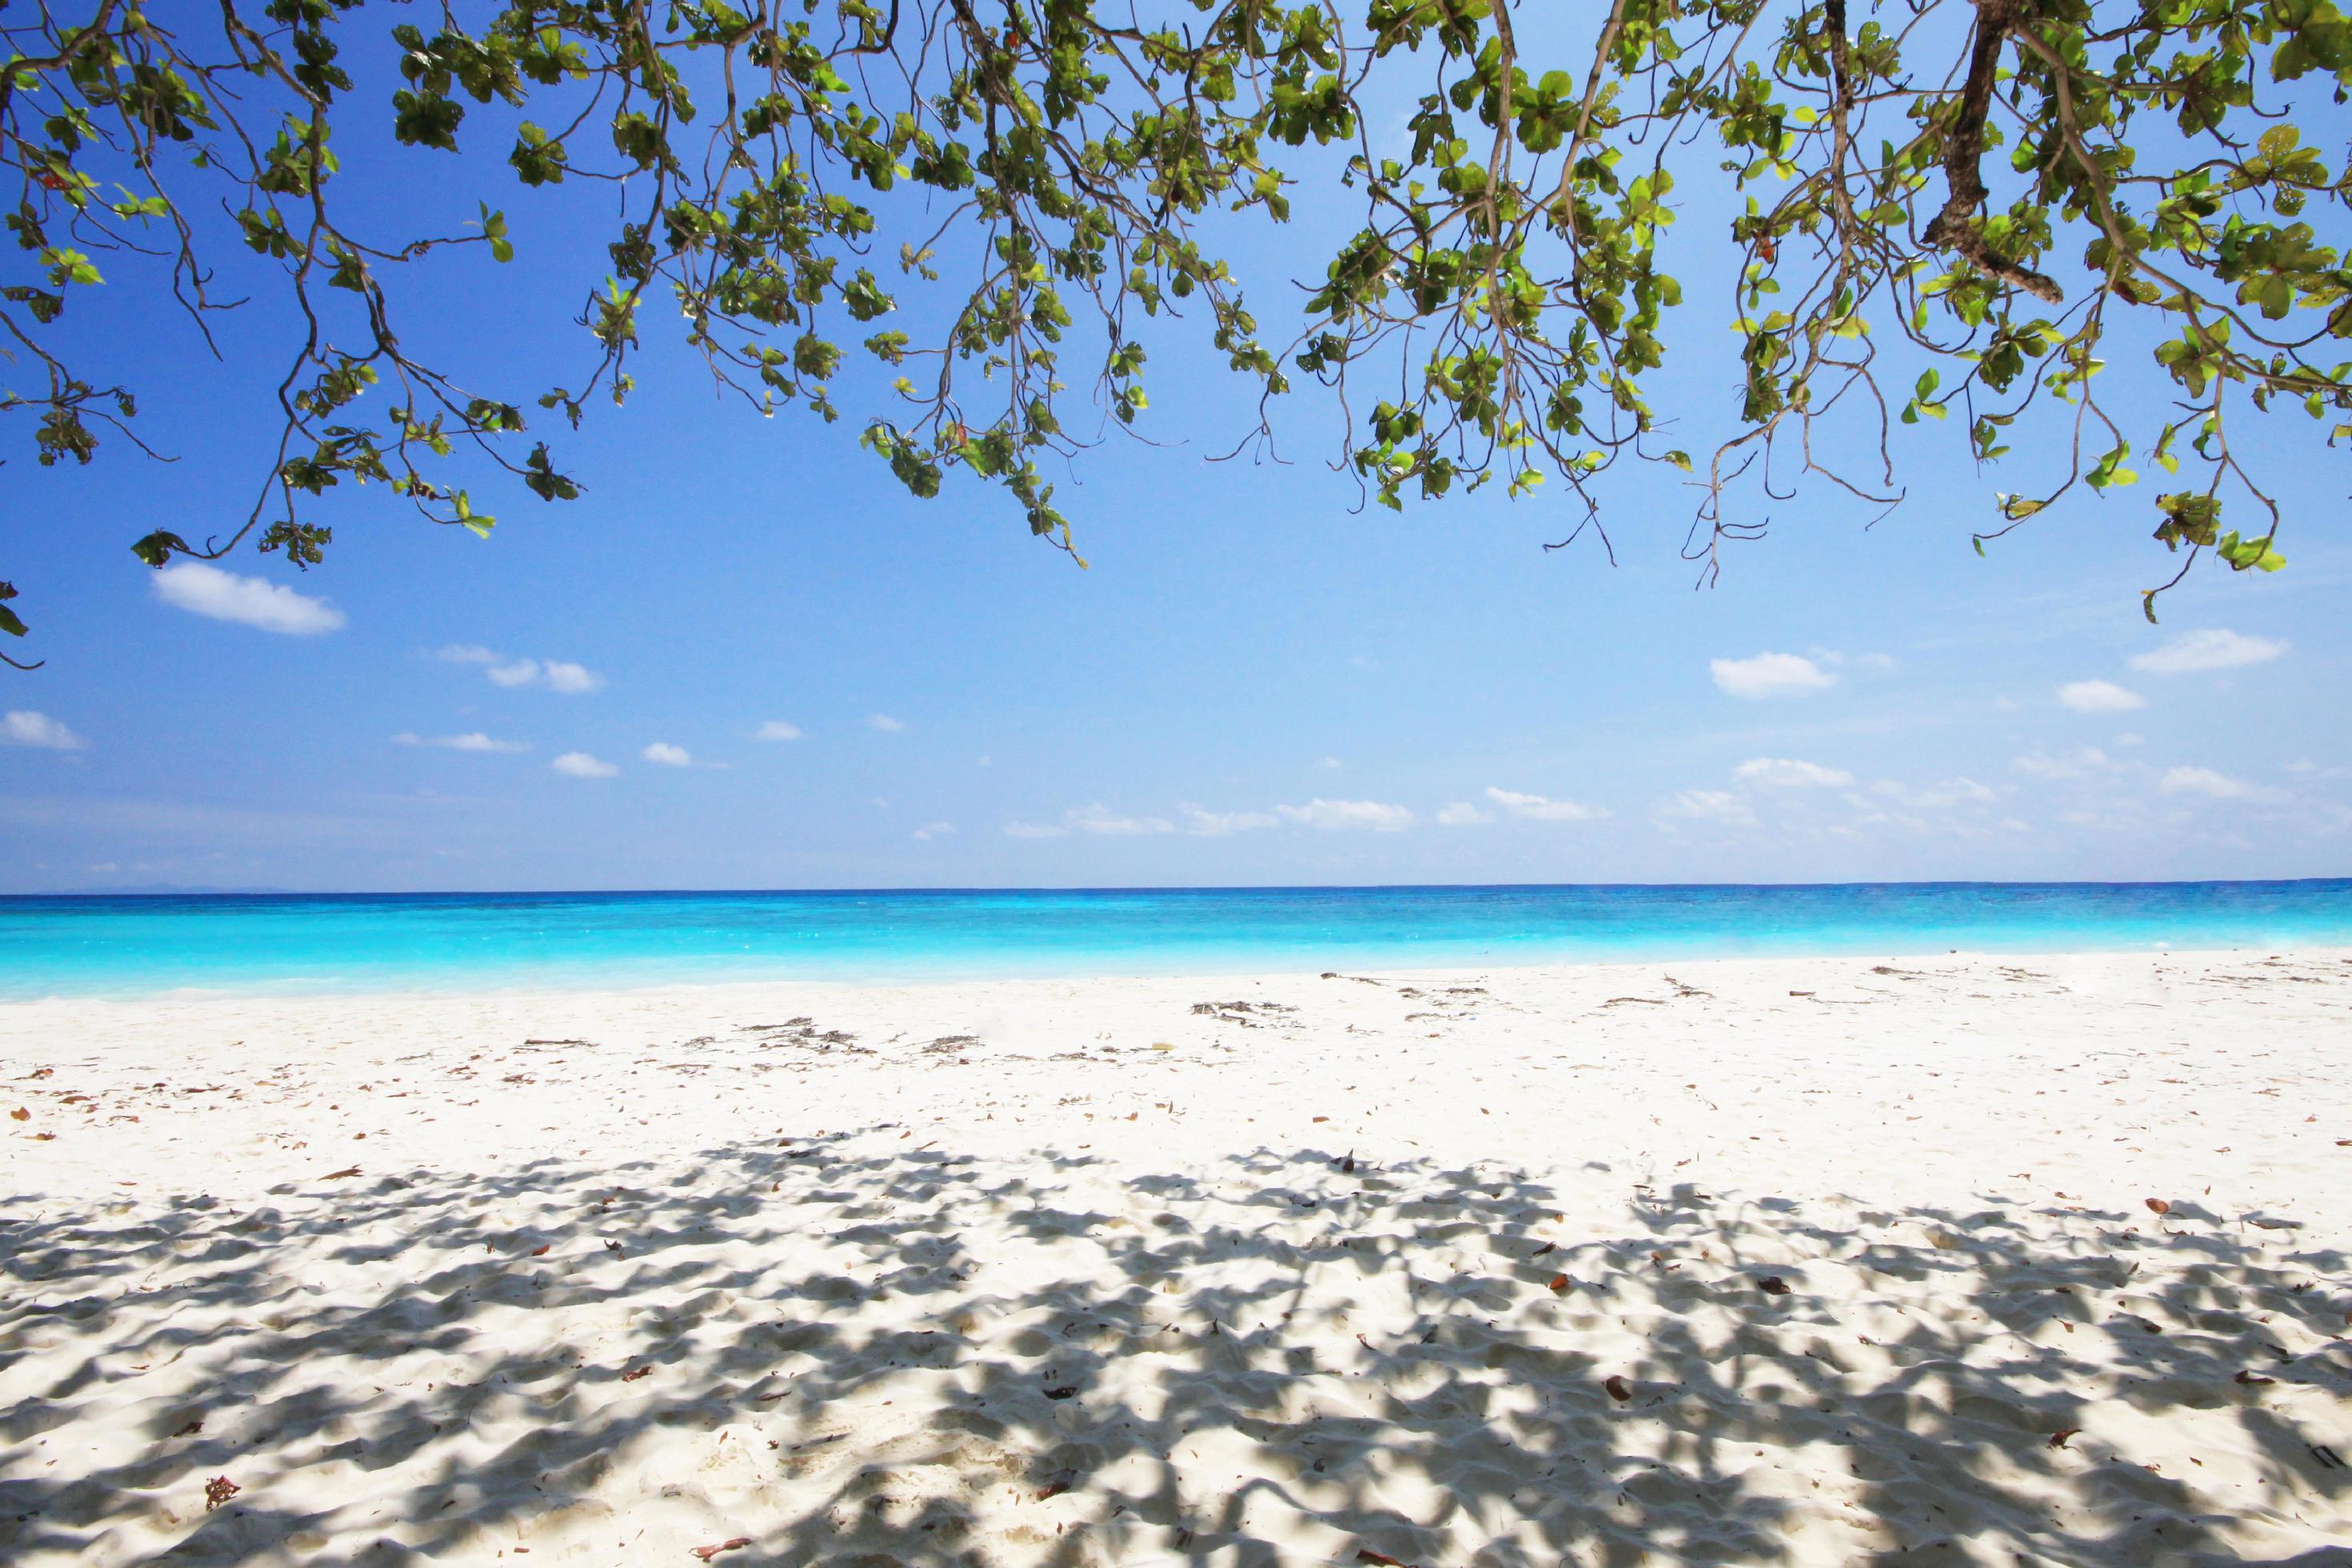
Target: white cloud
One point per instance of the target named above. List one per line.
(2207, 782)
(581, 765)
(475, 741)
(553, 674)
(2099, 697)
(1786, 773)
(1096, 818)
(930, 830)
(1461, 814)
(883, 722)
(1329, 762)
(1540, 809)
(1770, 675)
(667, 755)
(2212, 648)
(23, 727)
(249, 601)
(1223, 824)
(2072, 765)
(1372, 813)
(776, 729)
(1934, 797)
(1101, 820)
(1833, 659)
(1711, 805)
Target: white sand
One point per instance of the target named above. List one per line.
(858, 1291)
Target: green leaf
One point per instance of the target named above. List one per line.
(159, 547)
(544, 481)
(494, 229)
(70, 267)
(2249, 554)
(481, 522)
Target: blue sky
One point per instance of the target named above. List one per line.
(747, 658)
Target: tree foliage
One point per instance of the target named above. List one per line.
(1980, 191)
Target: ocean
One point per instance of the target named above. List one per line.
(143, 946)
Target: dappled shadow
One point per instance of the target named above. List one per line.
(919, 1357)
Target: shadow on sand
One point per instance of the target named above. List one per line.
(817, 1355)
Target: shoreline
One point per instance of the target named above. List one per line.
(298, 992)
(1234, 1269)
(362, 945)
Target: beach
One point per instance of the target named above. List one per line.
(1953, 1258)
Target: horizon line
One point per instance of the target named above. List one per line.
(201, 892)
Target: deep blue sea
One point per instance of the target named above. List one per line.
(92, 946)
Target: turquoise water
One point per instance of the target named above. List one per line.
(359, 942)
